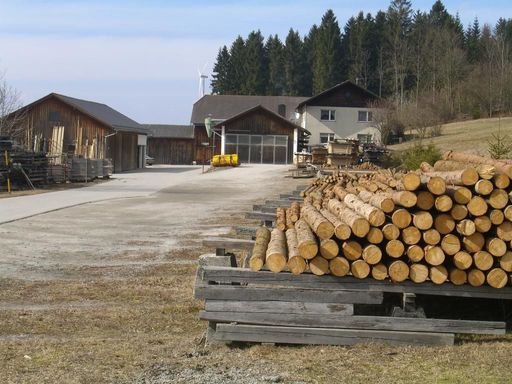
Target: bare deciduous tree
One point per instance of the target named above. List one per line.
(11, 118)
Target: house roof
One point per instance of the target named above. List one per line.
(98, 111)
(338, 87)
(170, 131)
(265, 110)
(223, 107)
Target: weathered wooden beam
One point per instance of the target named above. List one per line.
(284, 307)
(228, 243)
(244, 293)
(307, 280)
(382, 323)
(325, 336)
(260, 216)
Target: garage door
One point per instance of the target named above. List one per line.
(259, 149)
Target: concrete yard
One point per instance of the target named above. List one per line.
(100, 290)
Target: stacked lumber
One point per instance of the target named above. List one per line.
(446, 222)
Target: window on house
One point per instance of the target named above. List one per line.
(326, 137)
(364, 116)
(364, 138)
(328, 115)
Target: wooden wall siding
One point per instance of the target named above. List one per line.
(349, 96)
(202, 155)
(261, 123)
(171, 151)
(123, 150)
(79, 129)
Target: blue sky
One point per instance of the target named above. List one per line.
(142, 58)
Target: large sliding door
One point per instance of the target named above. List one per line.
(258, 149)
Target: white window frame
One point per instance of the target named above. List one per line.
(331, 113)
(326, 135)
(368, 116)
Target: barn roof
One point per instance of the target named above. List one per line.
(221, 107)
(170, 131)
(98, 111)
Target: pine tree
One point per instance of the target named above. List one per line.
(308, 49)
(328, 54)
(293, 64)
(275, 58)
(473, 35)
(222, 71)
(356, 50)
(237, 72)
(255, 66)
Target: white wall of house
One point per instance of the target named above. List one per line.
(346, 123)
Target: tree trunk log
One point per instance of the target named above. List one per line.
(319, 266)
(281, 219)
(484, 187)
(438, 274)
(375, 216)
(259, 249)
(497, 278)
(295, 212)
(461, 195)
(329, 249)
(463, 157)
(497, 217)
(504, 231)
(495, 246)
(411, 235)
(473, 243)
(466, 227)
(415, 253)
(432, 236)
(390, 231)
(444, 224)
(379, 271)
(342, 230)
(411, 181)
(425, 200)
(476, 277)
(318, 223)
(352, 250)
(383, 202)
(372, 254)
(450, 244)
(360, 269)
(434, 255)
(459, 212)
(443, 203)
(375, 236)
(296, 263)
(401, 218)
(418, 273)
(307, 245)
(501, 181)
(395, 248)
(339, 266)
(483, 260)
(398, 271)
(358, 224)
(498, 199)
(506, 261)
(422, 220)
(458, 276)
(276, 252)
(482, 224)
(434, 183)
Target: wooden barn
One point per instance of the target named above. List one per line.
(63, 127)
(259, 136)
(171, 144)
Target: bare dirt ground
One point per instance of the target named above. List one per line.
(102, 292)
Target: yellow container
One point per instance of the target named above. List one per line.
(216, 160)
(225, 160)
(234, 160)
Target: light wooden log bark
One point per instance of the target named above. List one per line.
(398, 271)
(289, 223)
(504, 231)
(501, 181)
(281, 219)
(498, 199)
(443, 203)
(411, 181)
(358, 224)
(496, 246)
(496, 216)
(318, 223)
(435, 184)
(482, 224)
(404, 199)
(360, 269)
(483, 260)
(432, 236)
(295, 212)
(444, 224)
(466, 227)
(506, 261)
(375, 236)
(450, 244)
(473, 243)
(418, 273)
(508, 212)
(372, 254)
(374, 215)
(425, 200)
(459, 212)
(497, 278)
(395, 248)
(476, 277)
(458, 276)
(352, 250)
(319, 266)
(401, 218)
(462, 260)
(259, 249)
(339, 192)
(342, 230)
(485, 172)
(339, 266)
(296, 263)
(422, 220)
(461, 195)
(434, 255)
(484, 187)
(275, 258)
(415, 253)
(501, 167)
(383, 202)
(411, 235)
(307, 244)
(390, 231)
(477, 206)
(468, 176)
(379, 271)
(329, 249)
(438, 274)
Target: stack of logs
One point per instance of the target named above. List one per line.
(448, 222)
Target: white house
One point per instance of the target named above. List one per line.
(343, 111)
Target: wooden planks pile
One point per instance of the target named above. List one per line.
(450, 222)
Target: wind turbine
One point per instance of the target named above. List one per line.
(202, 80)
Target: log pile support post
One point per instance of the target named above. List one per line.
(409, 308)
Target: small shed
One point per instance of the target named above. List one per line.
(171, 144)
